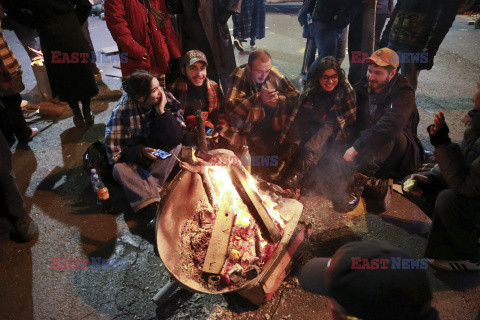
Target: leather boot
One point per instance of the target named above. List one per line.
(78, 118)
(299, 168)
(87, 114)
(288, 151)
(350, 200)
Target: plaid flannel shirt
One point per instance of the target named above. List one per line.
(129, 126)
(10, 62)
(345, 109)
(215, 98)
(244, 103)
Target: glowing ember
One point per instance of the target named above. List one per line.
(38, 60)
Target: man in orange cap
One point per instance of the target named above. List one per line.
(387, 145)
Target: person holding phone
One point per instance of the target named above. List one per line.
(259, 101)
(146, 119)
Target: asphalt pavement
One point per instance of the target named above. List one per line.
(58, 195)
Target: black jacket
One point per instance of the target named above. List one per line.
(337, 13)
(420, 25)
(396, 113)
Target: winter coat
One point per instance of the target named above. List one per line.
(203, 26)
(137, 34)
(65, 48)
(396, 113)
(420, 25)
(336, 13)
(460, 164)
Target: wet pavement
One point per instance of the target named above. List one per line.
(59, 197)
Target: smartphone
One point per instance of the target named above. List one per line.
(161, 154)
(208, 131)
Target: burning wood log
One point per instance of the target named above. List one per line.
(218, 246)
(202, 136)
(254, 203)
(209, 190)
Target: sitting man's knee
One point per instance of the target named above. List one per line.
(444, 200)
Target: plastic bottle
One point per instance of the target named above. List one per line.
(104, 197)
(95, 179)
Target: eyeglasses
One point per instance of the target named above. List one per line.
(332, 77)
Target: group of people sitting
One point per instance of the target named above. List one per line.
(352, 141)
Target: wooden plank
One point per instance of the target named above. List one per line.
(218, 246)
(254, 203)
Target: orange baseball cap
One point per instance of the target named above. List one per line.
(384, 57)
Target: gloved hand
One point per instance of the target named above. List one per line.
(439, 137)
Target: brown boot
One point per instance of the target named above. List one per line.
(351, 198)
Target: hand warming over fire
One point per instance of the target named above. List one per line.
(350, 154)
(438, 123)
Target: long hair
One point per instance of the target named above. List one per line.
(138, 84)
(312, 85)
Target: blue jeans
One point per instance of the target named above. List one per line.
(330, 41)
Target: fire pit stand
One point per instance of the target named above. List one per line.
(178, 205)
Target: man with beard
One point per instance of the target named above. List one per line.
(147, 118)
(259, 101)
(197, 92)
(387, 145)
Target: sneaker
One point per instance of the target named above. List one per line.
(238, 45)
(454, 265)
(26, 229)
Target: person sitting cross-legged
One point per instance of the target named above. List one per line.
(147, 118)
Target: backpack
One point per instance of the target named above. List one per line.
(96, 158)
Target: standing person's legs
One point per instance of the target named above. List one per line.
(341, 46)
(16, 118)
(379, 24)
(77, 114)
(326, 37)
(355, 55)
(14, 211)
(409, 70)
(87, 113)
(309, 55)
(455, 231)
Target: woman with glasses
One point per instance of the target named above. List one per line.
(325, 117)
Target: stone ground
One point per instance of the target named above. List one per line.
(58, 195)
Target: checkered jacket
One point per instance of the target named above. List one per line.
(129, 127)
(244, 103)
(345, 109)
(9, 68)
(215, 98)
